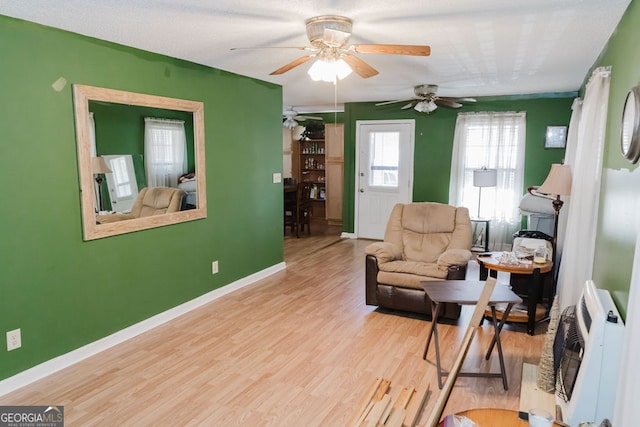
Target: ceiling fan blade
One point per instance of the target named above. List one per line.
(302, 118)
(448, 102)
(273, 47)
(410, 105)
(361, 68)
(292, 64)
(393, 102)
(465, 99)
(393, 49)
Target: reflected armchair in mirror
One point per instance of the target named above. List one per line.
(150, 202)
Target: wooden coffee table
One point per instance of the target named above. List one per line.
(491, 265)
(467, 292)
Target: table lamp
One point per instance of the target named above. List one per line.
(558, 183)
(98, 168)
(484, 177)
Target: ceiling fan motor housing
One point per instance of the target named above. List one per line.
(317, 35)
(425, 90)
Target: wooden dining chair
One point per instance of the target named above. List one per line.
(304, 208)
(291, 191)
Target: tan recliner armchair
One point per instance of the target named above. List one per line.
(150, 201)
(422, 241)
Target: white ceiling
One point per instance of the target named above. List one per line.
(478, 48)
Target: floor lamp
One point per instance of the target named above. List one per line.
(558, 183)
(98, 168)
(484, 177)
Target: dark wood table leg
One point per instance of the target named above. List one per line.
(535, 287)
(483, 272)
(497, 327)
(500, 324)
(435, 312)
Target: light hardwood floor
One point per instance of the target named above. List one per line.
(299, 348)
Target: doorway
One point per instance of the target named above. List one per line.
(384, 172)
(123, 189)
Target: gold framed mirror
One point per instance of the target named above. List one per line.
(95, 225)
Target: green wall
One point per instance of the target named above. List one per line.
(64, 292)
(620, 190)
(434, 142)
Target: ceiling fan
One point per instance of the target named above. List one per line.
(290, 118)
(426, 100)
(329, 36)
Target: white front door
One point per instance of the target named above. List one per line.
(384, 172)
(123, 188)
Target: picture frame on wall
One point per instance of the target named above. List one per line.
(556, 137)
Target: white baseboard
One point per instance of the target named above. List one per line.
(349, 235)
(58, 363)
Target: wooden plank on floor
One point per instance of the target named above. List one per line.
(376, 415)
(399, 408)
(531, 396)
(416, 404)
(374, 394)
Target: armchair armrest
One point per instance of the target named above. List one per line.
(384, 251)
(454, 257)
(455, 262)
(371, 280)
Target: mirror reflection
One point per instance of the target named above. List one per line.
(141, 160)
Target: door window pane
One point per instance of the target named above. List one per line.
(384, 149)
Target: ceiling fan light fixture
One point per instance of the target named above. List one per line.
(290, 123)
(329, 70)
(425, 106)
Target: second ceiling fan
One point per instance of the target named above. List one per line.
(329, 36)
(426, 100)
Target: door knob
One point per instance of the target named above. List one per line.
(362, 190)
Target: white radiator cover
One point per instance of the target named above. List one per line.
(594, 393)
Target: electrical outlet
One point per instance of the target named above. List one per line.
(13, 340)
(214, 267)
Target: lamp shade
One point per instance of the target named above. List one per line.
(558, 181)
(98, 165)
(485, 177)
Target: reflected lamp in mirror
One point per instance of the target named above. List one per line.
(99, 167)
(89, 166)
(484, 177)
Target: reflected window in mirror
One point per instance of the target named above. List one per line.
(147, 142)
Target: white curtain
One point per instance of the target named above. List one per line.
(627, 410)
(495, 140)
(165, 151)
(94, 151)
(572, 143)
(584, 155)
